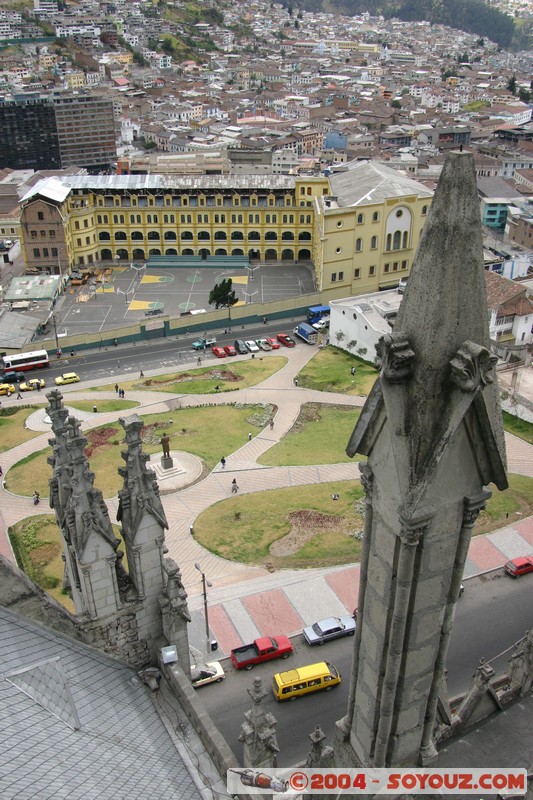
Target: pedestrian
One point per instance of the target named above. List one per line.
(353, 370)
(217, 388)
(72, 353)
(296, 381)
(234, 487)
(115, 342)
(116, 388)
(191, 529)
(249, 437)
(123, 394)
(223, 462)
(198, 362)
(265, 320)
(141, 374)
(19, 396)
(58, 352)
(271, 424)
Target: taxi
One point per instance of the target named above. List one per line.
(67, 377)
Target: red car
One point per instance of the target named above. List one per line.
(274, 344)
(219, 352)
(230, 350)
(519, 566)
(285, 339)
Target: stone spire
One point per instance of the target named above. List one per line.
(89, 542)
(432, 432)
(258, 731)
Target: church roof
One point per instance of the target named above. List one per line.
(78, 724)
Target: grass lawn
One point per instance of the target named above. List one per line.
(330, 371)
(519, 427)
(319, 436)
(244, 528)
(103, 405)
(209, 433)
(12, 430)
(225, 373)
(36, 542)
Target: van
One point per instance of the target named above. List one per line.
(304, 680)
(240, 347)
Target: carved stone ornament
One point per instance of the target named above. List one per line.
(472, 367)
(394, 357)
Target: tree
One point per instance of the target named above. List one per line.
(524, 95)
(511, 84)
(222, 295)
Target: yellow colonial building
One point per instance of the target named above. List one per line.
(361, 237)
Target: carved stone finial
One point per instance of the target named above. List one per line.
(258, 692)
(394, 357)
(472, 367)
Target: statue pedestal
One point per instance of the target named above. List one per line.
(167, 462)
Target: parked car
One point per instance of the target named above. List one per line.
(67, 377)
(230, 350)
(274, 344)
(31, 384)
(329, 628)
(153, 312)
(251, 346)
(265, 648)
(322, 324)
(211, 672)
(285, 339)
(219, 352)
(7, 388)
(519, 566)
(203, 343)
(240, 347)
(263, 344)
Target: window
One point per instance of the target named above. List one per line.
(237, 236)
(99, 219)
(360, 219)
(341, 276)
(104, 236)
(153, 236)
(371, 271)
(186, 236)
(85, 223)
(358, 245)
(204, 236)
(45, 252)
(170, 236)
(338, 250)
(77, 224)
(333, 277)
(54, 252)
(424, 210)
(87, 240)
(399, 213)
(43, 234)
(340, 223)
(36, 252)
(51, 234)
(374, 243)
(120, 236)
(386, 268)
(356, 273)
(34, 234)
(137, 236)
(40, 215)
(375, 216)
(396, 242)
(78, 242)
(404, 264)
(186, 218)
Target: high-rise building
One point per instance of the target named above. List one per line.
(55, 132)
(86, 130)
(29, 134)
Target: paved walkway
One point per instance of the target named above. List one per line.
(245, 601)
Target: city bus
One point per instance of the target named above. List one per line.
(20, 362)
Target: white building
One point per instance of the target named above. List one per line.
(358, 323)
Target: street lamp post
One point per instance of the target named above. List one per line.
(205, 584)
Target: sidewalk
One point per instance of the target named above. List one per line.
(244, 600)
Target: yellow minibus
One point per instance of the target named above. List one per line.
(304, 680)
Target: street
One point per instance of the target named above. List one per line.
(493, 613)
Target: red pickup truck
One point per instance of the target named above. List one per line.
(263, 649)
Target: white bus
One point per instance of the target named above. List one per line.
(20, 362)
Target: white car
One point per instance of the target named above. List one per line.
(322, 324)
(263, 344)
(211, 672)
(251, 345)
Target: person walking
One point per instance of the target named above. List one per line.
(19, 396)
(249, 437)
(223, 462)
(271, 424)
(141, 374)
(116, 388)
(296, 381)
(198, 362)
(234, 487)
